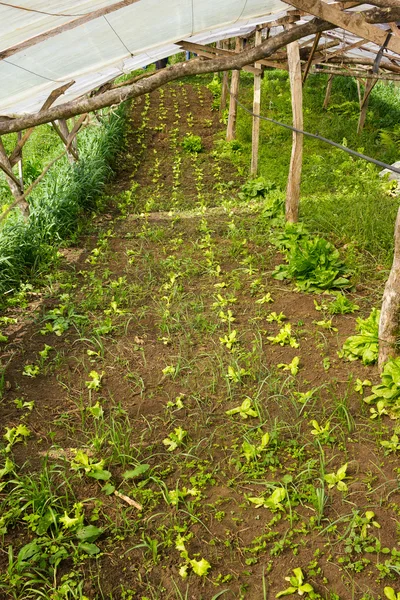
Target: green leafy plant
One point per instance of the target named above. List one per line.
(284, 337)
(314, 264)
(364, 345)
(293, 366)
(31, 370)
(341, 305)
(192, 143)
(199, 567)
(93, 469)
(273, 502)
(95, 380)
(274, 317)
(256, 188)
(391, 594)
(175, 439)
(337, 479)
(245, 410)
(387, 394)
(296, 585)
(253, 451)
(14, 435)
(392, 445)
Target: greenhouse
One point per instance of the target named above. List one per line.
(200, 299)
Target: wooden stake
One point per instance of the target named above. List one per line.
(296, 88)
(390, 311)
(256, 111)
(364, 105)
(63, 132)
(225, 83)
(328, 92)
(231, 129)
(310, 58)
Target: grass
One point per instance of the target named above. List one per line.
(159, 444)
(58, 204)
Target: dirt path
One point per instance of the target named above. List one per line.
(156, 328)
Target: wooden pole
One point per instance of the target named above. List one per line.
(364, 106)
(225, 82)
(231, 129)
(20, 170)
(256, 111)
(390, 311)
(328, 92)
(296, 88)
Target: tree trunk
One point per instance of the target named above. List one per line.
(293, 185)
(390, 311)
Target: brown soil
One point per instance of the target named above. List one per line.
(164, 316)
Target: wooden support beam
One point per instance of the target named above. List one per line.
(41, 37)
(61, 128)
(341, 51)
(352, 21)
(296, 88)
(353, 73)
(13, 182)
(309, 61)
(231, 128)
(390, 311)
(255, 140)
(328, 92)
(211, 52)
(55, 94)
(225, 83)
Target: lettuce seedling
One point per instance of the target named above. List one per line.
(336, 479)
(14, 435)
(284, 337)
(293, 366)
(364, 345)
(273, 502)
(296, 585)
(175, 439)
(251, 451)
(391, 594)
(244, 410)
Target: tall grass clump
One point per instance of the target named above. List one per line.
(59, 203)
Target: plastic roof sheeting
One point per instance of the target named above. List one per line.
(107, 46)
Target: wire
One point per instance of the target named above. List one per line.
(122, 42)
(28, 71)
(40, 12)
(316, 136)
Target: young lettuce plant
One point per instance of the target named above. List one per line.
(245, 410)
(296, 585)
(251, 451)
(284, 337)
(175, 439)
(293, 366)
(273, 502)
(336, 479)
(364, 345)
(199, 567)
(387, 394)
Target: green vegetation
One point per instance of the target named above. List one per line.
(59, 202)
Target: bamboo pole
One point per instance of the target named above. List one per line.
(390, 311)
(296, 88)
(231, 129)
(256, 111)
